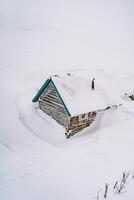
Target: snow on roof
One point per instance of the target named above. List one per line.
(77, 93)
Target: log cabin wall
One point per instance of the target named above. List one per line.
(51, 104)
(77, 123)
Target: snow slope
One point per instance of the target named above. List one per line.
(41, 38)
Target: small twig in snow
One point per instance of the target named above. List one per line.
(98, 193)
(106, 190)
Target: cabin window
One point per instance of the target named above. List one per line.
(83, 117)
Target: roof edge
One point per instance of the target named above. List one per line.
(41, 90)
(60, 96)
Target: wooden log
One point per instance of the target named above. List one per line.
(77, 125)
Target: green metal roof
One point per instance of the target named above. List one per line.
(44, 86)
(41, 90)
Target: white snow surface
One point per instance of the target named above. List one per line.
(41, 38)
(77, 94)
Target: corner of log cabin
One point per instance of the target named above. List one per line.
(76, 124)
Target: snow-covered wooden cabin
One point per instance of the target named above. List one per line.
(72, 102)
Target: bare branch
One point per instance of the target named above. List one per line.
(106, 190)
(120, 186)
(115, 184)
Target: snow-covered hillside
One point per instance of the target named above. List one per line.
(41, 38)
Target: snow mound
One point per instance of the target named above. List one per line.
(77, 93)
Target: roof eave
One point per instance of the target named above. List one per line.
(41, 90)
